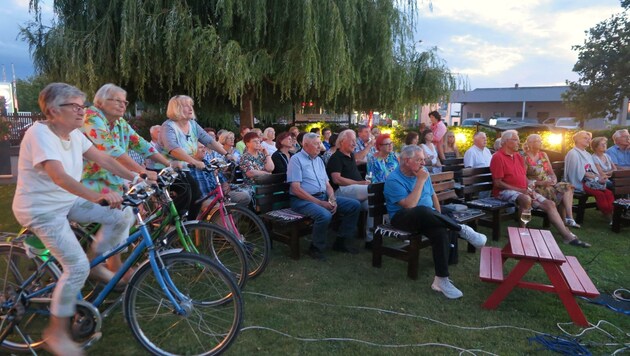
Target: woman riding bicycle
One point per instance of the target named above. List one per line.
(49, 195)
(109, 132)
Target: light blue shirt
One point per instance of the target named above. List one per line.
(398, 186)
(310, 172)
(618, 156)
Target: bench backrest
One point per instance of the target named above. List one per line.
(443, 184)
(621, 182)
(454, 165)
(558, 169)
(475, 180)
(271, 192)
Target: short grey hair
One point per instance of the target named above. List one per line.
(55, 94)
(267, 131)
(311, 136)
(618, 134)
(409, 151)
(479, 133)
(344, 135)
(507, 135)
(154, 129)
(105, 92)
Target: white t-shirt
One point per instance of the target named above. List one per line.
(476, 157)
(430, 153)
(36, 193)
(270, 148)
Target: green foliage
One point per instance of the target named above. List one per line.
(604, 68)
(350, 54)
(28, 92)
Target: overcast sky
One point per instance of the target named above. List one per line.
(494, 43)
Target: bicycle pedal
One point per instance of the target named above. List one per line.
(93, 339)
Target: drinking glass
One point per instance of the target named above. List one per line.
(369, 176)
(526, 216)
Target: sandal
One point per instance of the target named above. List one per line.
(578, 242)
(571, 223)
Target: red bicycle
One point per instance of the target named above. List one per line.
(239, 220)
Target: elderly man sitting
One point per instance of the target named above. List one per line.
(313, 196)
(620, 152)
(413, 206)
(510, 184)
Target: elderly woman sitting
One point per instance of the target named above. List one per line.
(579, 170)
(255, 161)
(545, 181)
(384, 161)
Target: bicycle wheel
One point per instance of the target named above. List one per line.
(215, 242)
(254, 233)
(22, 324)
(212, 321)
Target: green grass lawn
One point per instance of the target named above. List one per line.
(346, 306)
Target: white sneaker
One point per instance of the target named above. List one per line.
(444, 285)
(476, 239)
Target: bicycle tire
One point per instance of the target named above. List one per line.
(254, 232)
(216, 243)
(15, 267)
(212, 321)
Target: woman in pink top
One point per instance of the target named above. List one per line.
(438, 128)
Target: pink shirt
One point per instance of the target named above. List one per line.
(439, 130)
(509, 168)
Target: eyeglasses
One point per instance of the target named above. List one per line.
(387, 144)
(75, 107)
(121, 102)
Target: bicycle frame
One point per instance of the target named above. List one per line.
(146, 244)
(219, 197)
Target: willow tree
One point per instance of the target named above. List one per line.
(343, 53)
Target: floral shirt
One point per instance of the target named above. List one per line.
(381, 168)
(251, 163)
(113, 140)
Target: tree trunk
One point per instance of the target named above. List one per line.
(247, 112)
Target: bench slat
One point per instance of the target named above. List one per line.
(577, 278)
(541, 245)
(515, 241)
(552, 246)
(491, 264)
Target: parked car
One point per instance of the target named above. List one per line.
(472, 122)
(563, 122)
(499, 121)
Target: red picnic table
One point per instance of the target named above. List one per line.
(530, 247)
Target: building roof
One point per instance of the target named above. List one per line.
(509, 95)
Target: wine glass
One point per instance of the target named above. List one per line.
(369, 176)
(526, 216)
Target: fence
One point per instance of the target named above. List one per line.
(20, 122)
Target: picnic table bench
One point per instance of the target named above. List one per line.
(530, 247)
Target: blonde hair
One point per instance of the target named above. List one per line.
(581, 133)
(223, 137)
(175, 111)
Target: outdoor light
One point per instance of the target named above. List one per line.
(460, 137)
(554, 139)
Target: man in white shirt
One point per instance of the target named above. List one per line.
(478, 155)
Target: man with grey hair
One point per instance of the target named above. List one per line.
(313, 196)
(345, 176)
(364, 144)
(478, 155)
(509, 180)
(413, 206)
(620, 152)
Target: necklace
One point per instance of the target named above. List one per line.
(65, 143)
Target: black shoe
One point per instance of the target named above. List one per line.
(316, 254)
(368, 245)
(345, 249)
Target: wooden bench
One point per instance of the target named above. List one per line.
(454, 165)
(475, 181)
(443, 185)
(621, 183)
(272, 203)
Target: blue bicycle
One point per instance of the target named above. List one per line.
(175, 303)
